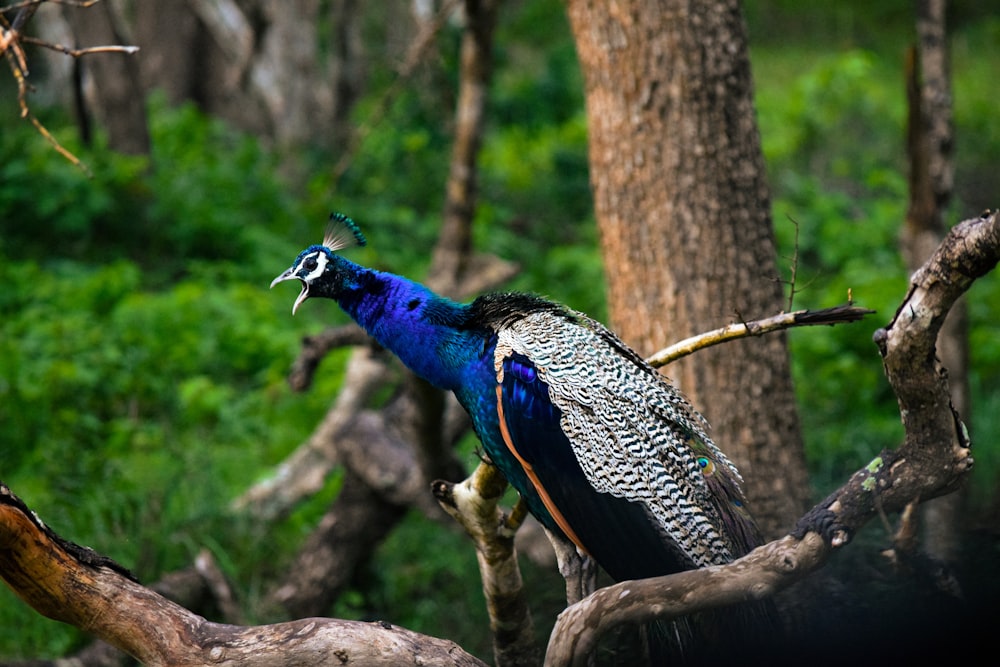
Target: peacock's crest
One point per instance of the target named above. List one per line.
(342, 232)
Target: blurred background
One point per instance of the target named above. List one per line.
(143, 360)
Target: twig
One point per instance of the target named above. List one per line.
(76, 53)
(68, 3)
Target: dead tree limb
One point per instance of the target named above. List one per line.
(357, 521)
(71, 584)
(200, 587)
(474, 504)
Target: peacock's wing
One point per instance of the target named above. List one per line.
(621, 535)
(615, 453)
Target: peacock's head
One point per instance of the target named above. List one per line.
(313, 263)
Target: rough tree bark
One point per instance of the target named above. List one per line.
(200, 587)
(454, 247)
(684, 214)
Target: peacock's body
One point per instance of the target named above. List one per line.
(603, 448)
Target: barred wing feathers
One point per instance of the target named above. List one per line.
(620, 449)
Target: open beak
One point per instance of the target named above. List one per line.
(290, 275)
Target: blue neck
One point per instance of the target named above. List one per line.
(425, 330)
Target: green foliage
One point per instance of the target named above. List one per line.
(842, 95)
(49, 208)
(977, 136)
(142, 358)
(833, 135)
(212, 187)
(548, 230)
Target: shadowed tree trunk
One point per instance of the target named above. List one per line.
(165, 67)
(265, 66)
(930, 139)
(684, 212)
(454, 248)
(117, 98)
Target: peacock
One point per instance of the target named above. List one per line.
(604, 450)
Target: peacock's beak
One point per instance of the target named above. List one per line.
(290, 275)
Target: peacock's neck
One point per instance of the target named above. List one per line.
(425, 330)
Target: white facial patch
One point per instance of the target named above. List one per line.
(321, 262)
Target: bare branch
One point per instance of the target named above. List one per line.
(474, 505)
(315, 348)
(62, 150)
(800, 318)
(759, 574)
(96, 596)
(83, 4)
(77, 53)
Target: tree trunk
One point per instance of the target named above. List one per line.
(684, 212)
(454, 247)
(930, 138)
(262, 65)
(115, 92)
(163, 65)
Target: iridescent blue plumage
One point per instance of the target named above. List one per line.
(602, 448)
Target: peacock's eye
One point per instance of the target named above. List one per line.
(310, 263)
